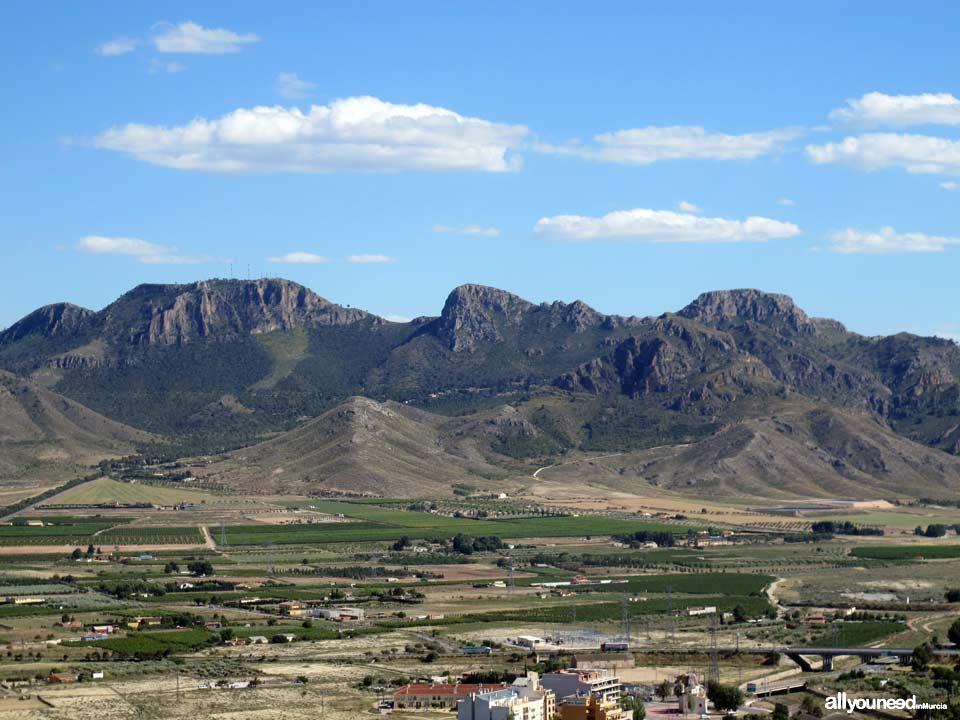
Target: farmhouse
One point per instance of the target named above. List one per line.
(62, 678)
(293, 608)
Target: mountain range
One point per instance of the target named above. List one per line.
(744, 389)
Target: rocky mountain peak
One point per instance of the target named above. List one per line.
(474, 313)
(720, 307)
(48, 321)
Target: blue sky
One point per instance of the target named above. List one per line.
(611, 153)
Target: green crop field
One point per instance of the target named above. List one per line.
(105, 490)
(150, 536)
(81, 533)
(606, 611)
(379, 524)
(151, 644)
(907, 552)
(858, 634)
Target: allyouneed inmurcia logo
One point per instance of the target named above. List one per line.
(841, 701)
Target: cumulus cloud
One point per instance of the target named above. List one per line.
(786, 202)
(478, 230)
(688, 207)
(144, 251)
(874, 151)
(950, 185)
(663, 226)
(117, 46)
(290, 86)
(189, 37)
(369, 258)
(878, 109)
(850, 241)
(642, 146)
(397, 318)
(358, 133)
(298, 258)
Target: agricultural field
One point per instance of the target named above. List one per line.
(238, 567)
(105, 490)
(908, 552)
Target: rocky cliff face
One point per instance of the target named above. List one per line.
(475, 314)
(722, 307)
(171, 315)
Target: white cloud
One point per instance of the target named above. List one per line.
(873, 151)
(663, 226)
(117, 46)
(950, 185)
(146, 252)
(786, 202)
(852, 241)
(290, 86)
(358, 133)
(397, 318)
(189, 37)
(478, 230)
(876, 109)
(298, 258)
(642, 146)
(159, 66)
(688, 207)
(366, 259)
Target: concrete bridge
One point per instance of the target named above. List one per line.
(828, 653)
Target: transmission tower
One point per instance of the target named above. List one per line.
(713, 675)
(626, 619)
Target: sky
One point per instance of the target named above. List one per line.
(631, 155)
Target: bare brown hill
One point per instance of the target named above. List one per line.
(44, 435)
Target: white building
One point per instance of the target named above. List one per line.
(525, 700)
(601, 684)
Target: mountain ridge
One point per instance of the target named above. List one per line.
(222, 363)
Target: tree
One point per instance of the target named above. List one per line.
(922, 657)
(665, 689)
(634, 705)
(811, 705)
(953, 633)
(952, 595)
(171, 567)
(781, 712)
(739, 614)
(724, 697)
(77, 554)
(200, 568)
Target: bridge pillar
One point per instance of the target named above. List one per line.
(827, 663)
